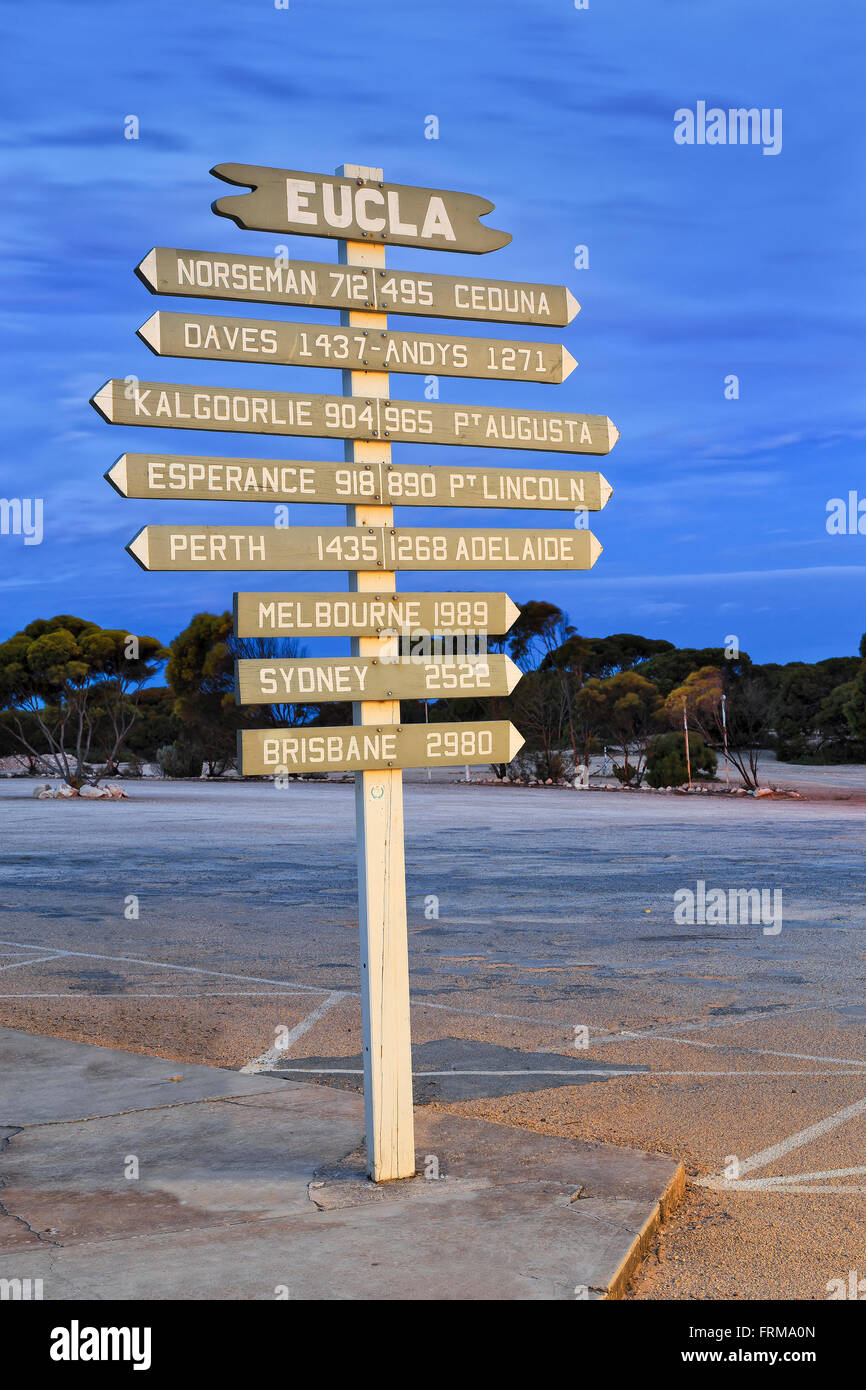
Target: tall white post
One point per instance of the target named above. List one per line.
(379, 820)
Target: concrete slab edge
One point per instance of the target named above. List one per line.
(635, 1256)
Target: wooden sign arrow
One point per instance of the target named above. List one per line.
(179, 476)
(340, 417)
(356, 209)
(367, 747)
(353, 349)
(277, 280)
(359, 548)
(372, 615)
(371, 678)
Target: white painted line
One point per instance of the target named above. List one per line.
(182, 969)
(732, 1021)
(31, 960)
(26, 948)
(747, 1051)
(169, 994)
(806, 1177)
(581, 1071)
(270, 1059)
(804, 1136)
(459, 1071)
(838, 1188)
(795, 1141)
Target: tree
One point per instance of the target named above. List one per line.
(803, 713)
(157, 724)
(626, 651)
(577, 655)
(32, 746)
(743, 714)
(79, 685)
(622, 707)
(286, 713)
(572, 661)
(538, 712)
(855, 706)
(540, 629)
(670, 668)
(201, 672)
(835, 741)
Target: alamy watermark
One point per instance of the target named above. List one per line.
(702, 906)
(846, 516)
(409, 646)
(77, 1343)
(736, 126)
(22, 516)
(852, 1287)
(20, 1290)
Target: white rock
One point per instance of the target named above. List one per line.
(92, 793)
(64, 791)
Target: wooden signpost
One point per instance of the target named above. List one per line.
(403, 645)
(176, 476)
(312, 345)
(311, 285)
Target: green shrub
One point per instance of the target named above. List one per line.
(180, 759)
(666, 760)
(550, 765)
(630, 779)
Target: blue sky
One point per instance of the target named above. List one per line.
(704, 261)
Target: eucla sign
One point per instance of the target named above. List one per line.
(356, 209)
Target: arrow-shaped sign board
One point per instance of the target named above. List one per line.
(358, 748)
(311, 284)
(370, 678)
(372, 615)
(340, 417)
(182, 476)
(356, 209)
(359, 548)
(353, 349)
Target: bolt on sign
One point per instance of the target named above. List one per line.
(412, 646)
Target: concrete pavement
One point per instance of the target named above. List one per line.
(531, 911)
(123, 1176)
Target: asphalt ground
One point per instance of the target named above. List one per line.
(218, 923)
